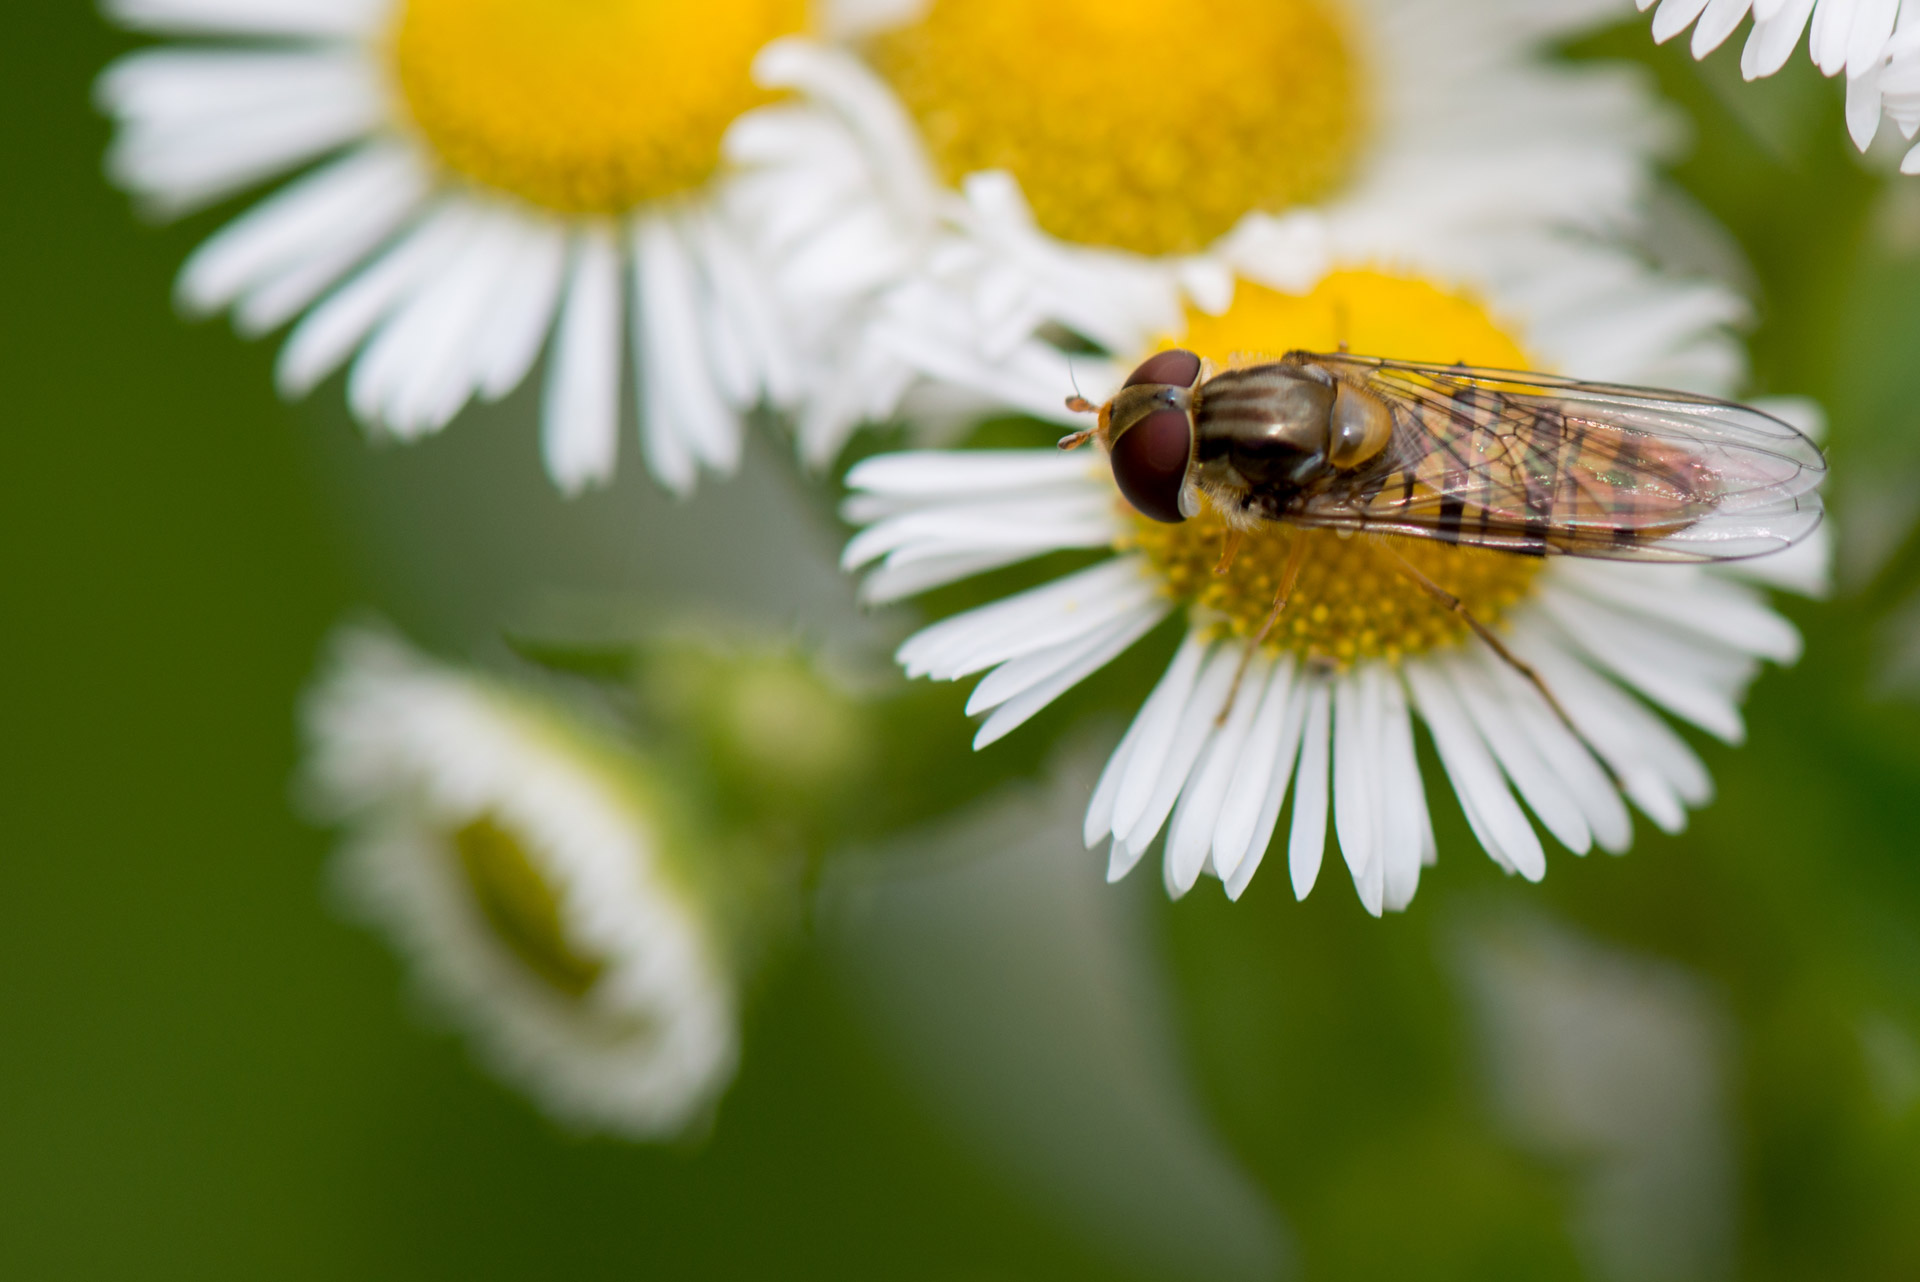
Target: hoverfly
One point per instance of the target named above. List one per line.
(1516, 462)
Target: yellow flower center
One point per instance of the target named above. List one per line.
(583, 106)
(1133, 124)
(1352, 600)
(521, 906)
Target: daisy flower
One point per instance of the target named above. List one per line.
(480, 176)
(1326, 710)
(531, 873)
(1855, 36)
(963, 178)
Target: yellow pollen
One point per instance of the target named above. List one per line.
(1352, 601)
(1133, 124)
(583, 106)
(521, 906)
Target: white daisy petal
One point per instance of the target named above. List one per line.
(1491, 811)
(1710, 607)
(1010, 715)
(522, 315)
(896, 582)
(204, 124)
(1407, 844)
(677, 388)
(329, 333)
(1017, 676)
(1240, 874)
(413, 375)
(1805, 568)
(1146, 736)
(923, 474)
(580, 416)
(373, 187)
(1160, 717)
(1307, 842)
(1356, 809)
(1563, 752)
(1141, 822)
(1716, 23)
(1864, 106)
(1772, 39)
(1655, 767)
(1519, 759)
(1190, 838)
(1033, 524)
(1697, 682)
(745, 313)
(1673, 18)
(252, 17)
(1099, 819)
(1257, 767)
(1031, 620)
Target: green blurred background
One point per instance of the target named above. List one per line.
(206, 1073)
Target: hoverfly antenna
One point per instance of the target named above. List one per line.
(1077, 403)
(1074, 440)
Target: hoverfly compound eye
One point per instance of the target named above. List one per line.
(1176, 367)
(1150, 463)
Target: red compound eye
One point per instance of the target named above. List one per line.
(1150, 461)
(1176, 367)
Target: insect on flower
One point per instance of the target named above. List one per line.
(1516, 462)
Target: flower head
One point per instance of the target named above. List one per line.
(535, 876)
(989, 176)
(1324, 709)
(488, 174)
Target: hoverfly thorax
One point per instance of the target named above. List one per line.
(1271, 431)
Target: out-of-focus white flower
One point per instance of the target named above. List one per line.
(1327, 710)
(489, 172)
(993, 170)
(531, 875)
(1876, 42)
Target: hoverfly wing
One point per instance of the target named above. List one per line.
(1533, 463)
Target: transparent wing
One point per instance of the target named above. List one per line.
(1534, 463)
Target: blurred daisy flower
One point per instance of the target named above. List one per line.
(1875, 42)
(1326, 710)
(965, 177)
(539, 885)
(483, 173)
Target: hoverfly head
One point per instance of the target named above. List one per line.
(1148, 431)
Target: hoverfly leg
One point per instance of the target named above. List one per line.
(1289, 575)
(1485, 633)
(1229, 548)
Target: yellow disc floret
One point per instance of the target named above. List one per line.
(521, 906)
(582, 106)
(1353, 599)
(1143, 126)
